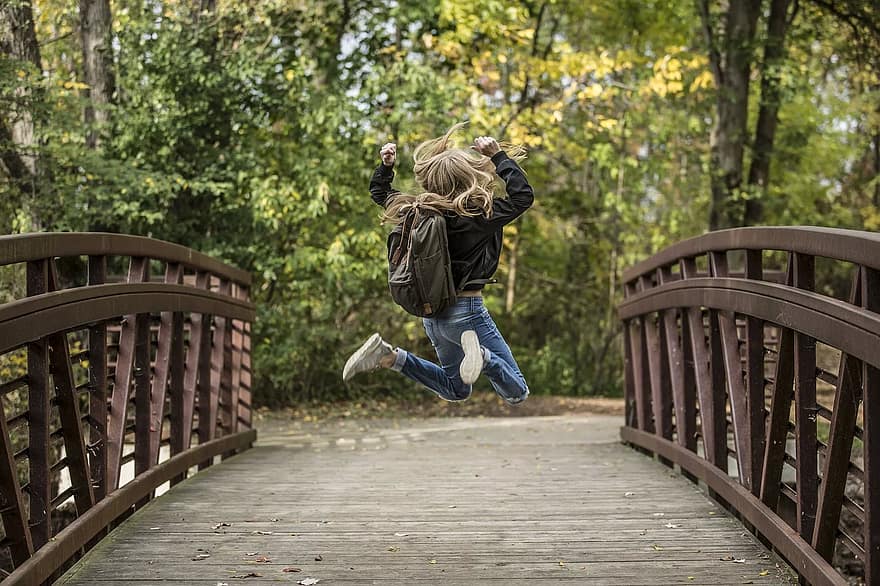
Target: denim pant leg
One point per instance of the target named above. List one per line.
(500, 366)
(443, 380)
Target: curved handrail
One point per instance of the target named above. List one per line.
(31, 318)
(21, 248)
(834, 322)
(861, 248)
(697, 372)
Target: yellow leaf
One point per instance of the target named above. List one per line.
(764, 573)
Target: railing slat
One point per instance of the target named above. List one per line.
(173, 276)
(840, 440)
(684, 420)
(138, 271)
(15, 523)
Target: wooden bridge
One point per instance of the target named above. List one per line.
(751, 387)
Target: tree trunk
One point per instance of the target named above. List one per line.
(18, 42)
(513, 255)
(768, 115)
(731, 69)
(96, 35)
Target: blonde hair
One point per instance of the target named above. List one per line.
(453, 179)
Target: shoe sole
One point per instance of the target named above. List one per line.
(371, 344)
(472, 363)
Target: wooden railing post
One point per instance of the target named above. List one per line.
(871, 382)
(97, 373)
(805, 409)
(39, 484)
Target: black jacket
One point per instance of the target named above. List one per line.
(474, 242)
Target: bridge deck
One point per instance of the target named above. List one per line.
(451, 501)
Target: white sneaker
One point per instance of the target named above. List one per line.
(366, 357)
(472, 363)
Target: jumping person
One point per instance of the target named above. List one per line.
(459, 182)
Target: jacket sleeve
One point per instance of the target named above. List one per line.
(380, 184)
(519, 192)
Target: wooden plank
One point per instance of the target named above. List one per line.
(396, 521)
(847, 397)
(138, 271)
(173, 276)
(39, 478)
(97, 373)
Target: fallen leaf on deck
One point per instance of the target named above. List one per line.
(261, 533)
(764, 573)
(219, 525)
(656, 547)
(252, 553)
(201, 556)
(561, 563)
(319, 558)
(393, 548)
(401, 534)
(432, 561)
(249, 575)
(672, 526)
(154, 528)
(222, 583)
(291, 570)
(452, 506)
(628, 494)
(739, 560)
(659, 514)
(274, 519)
(262, 560)
(308, 581)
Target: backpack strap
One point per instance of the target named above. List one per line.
(465, 282)
(405, 234)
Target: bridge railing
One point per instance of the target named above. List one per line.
(765, 388)
(113, 383)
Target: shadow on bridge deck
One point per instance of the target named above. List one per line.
(446, 501)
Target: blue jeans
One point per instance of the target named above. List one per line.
(445, 330)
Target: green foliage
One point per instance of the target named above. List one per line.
(250, 133)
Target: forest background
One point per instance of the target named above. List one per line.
(249, 130)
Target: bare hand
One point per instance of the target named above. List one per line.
(388, 152)
(486, 145)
